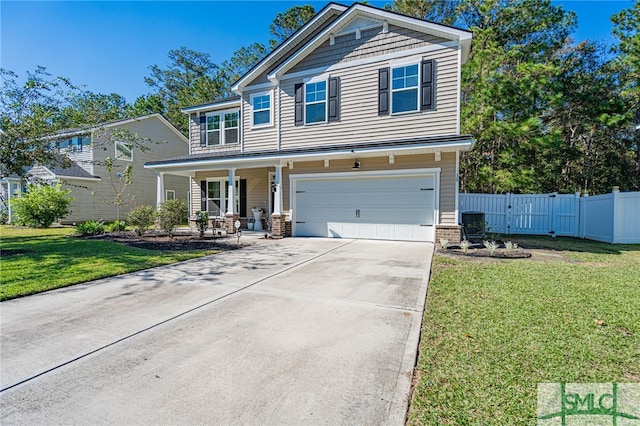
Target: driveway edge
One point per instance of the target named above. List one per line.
(399, 407)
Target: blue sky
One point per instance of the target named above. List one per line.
(109, 46)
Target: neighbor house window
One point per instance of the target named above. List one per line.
(404, 88)
(124, 151)
(261, 105)
(315, 102)
(170, 194)
(222, 128)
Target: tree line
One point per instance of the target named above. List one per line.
(547, 113)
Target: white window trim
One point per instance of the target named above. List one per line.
(130, 146)
(223, 189)
(169, 191)
(255, 95)
(221, 113)
(404, 64)
(326, 100)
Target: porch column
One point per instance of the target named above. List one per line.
(232, 215)
(231, 207)
(277, 218)
(160, 188)
(277, 198)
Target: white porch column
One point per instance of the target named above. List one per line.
(160, 188)
(231, 207)
(277, 198)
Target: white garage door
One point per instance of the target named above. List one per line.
(378, 207)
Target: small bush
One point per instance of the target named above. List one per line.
(117, 226)
(510, 246)
(202, 221)
(42, 205)
(172, 213)
(464, 245)
(141, 218)
(491, 246)
(444, 243)
(90, 227)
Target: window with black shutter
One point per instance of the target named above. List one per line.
(426, 85)
(334, 99)
(383, 91)
(203, 129)
(299, 104)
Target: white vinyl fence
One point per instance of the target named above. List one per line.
(612, 218)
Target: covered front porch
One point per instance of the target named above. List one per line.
(252, 196)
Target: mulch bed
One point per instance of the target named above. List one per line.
(477, 250)
(153, 240)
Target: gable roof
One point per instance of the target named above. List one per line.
(374, 16)
(116, 123)
(286, 46)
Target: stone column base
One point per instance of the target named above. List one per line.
(229, 223)
(278, 227)
(451, 233)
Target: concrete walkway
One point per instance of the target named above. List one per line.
(295, 331)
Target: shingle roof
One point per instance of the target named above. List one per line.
(72, 171)
(321, 149)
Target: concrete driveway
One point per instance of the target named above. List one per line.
(295, 331)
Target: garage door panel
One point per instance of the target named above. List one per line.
(381, 207)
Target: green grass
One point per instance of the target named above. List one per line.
(51, 258)
(494, 329)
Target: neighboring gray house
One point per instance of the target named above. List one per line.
(88, 179)
(350, 128)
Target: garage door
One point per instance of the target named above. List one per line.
(378, 207)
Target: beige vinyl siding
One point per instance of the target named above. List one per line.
(259, 138)
(447, 167)
(144, 181)
(196, 148)
(359, 119)
(257, 187)
(372, 42)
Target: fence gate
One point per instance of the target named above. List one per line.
(534, 214)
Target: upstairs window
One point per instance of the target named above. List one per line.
(222, 128)
(407, 88)
(124, 151)
(315, 102)
(261, 105)
(404, 89)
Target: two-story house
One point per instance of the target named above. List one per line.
(143, 139)
(350, 128)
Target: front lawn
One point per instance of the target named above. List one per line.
(494, 329)
(36, 260)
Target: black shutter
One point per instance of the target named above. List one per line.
(203, 195)
(383, 91)
(243, 198)
(203, 130)
(299, 94)
(426, 86)
(334, 99)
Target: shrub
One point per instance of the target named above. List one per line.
(42, 205)
(171, 214)
(510, 246)
(464, 245)
(202, 221)
(444, 243)
(117, 226)
(491, 246)
(141, 218)
(90, 227)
